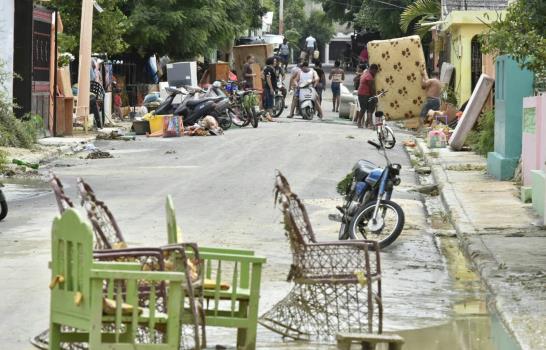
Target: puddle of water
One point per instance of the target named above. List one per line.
(23, 189)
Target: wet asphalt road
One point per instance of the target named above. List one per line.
(222, 190)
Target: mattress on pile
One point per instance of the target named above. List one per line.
(400, 62)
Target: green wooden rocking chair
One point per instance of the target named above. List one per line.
(233, 304)
(78, 297)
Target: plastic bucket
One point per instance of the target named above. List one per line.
(156, 124)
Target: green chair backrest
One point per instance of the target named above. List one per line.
(71, 262)
(173, 232)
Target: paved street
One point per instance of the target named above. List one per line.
(222, 189)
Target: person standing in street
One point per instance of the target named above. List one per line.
(247, 72)
(433, 88)
(322, 80)
(337, 76)
(292, 86)
(269, 86)
(310, 46)
(366, 90)
(284, 52)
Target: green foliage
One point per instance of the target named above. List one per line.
(298, 25)
(418, 13)
(482, 140)
(3, 159)
(15, 132)
(180, 28)
(450, 96)
(383, 16)
(521, 34)
(344, 186)
(186, 28)
(109, 26)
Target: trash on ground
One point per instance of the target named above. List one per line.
(98, 154)
(25, 164)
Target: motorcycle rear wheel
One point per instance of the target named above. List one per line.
(358, 228)
(225, 120)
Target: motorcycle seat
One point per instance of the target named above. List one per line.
(362, 169)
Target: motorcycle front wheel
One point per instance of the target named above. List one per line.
(307, 113)
(390, 222)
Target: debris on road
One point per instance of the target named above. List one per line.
(431, 190)
(98, 154)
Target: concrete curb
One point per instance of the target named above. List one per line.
(469, 237)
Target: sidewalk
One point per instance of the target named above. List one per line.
(501, 235)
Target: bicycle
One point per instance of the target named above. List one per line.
(244, 105)
(385, 135)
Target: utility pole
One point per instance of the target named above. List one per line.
(281, 17)
(84, 78)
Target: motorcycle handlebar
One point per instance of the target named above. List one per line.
(374, 144)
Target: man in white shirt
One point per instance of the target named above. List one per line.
(310, 45)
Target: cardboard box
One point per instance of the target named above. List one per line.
(260, 51)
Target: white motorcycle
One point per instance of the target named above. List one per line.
(307, 99)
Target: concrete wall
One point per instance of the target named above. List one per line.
(7, 9)
(534, 151)
(464, 26)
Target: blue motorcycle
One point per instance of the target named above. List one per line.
(368, 211)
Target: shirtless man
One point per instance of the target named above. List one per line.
(433, 88)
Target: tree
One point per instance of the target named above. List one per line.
(186, 28)
(298, 26)
(521, 33)
(417, 14)
(319, 26)
(109, 26)
(382, 16)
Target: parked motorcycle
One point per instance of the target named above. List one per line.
(168, 106)
(3, 205)
(307, 98)
(368, 211)
(193, 110)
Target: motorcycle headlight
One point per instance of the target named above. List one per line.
(396, 181)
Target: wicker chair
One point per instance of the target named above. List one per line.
(337, 285)
(63, 201)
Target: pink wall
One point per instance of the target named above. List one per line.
(534, 136)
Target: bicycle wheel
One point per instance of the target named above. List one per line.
(388, 137)
(386, 228)
(255, 118)
(278, 106)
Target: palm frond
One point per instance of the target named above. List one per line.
(419, 10)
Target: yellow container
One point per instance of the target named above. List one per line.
(156, 123)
